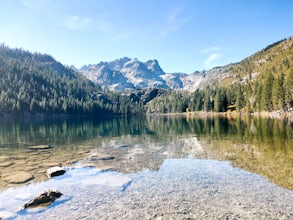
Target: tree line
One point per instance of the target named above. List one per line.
(274, 93)
(37, 83)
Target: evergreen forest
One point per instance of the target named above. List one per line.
(34, 83)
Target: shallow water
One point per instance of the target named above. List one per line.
(181, 188)
(162, 168)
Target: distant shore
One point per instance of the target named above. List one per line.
(228, 114)
(234, 114)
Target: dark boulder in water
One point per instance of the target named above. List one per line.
(43, 200)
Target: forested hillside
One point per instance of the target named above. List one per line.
(33, 83)
(36, 83)
(261, 82)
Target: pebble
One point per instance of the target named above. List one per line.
(40, 147)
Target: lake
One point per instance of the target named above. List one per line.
(158, 167)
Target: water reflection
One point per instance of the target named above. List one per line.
(263, 146)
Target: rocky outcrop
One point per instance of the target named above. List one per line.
(126, 73)
(42, 200)
(144, 95)
(132, 74)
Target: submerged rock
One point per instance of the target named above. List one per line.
(18, 177)
(124, 146)
(6, 164)
(42, 200)
(40, 147)
(96, 156)
(55, 171)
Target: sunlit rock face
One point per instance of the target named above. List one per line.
(126, 73)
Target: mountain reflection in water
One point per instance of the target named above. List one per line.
(262, 146)
(158, 167)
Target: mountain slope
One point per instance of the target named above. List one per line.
(126, 73)
(262, 82)
(33, 83)
(36, 83)
(276, 58)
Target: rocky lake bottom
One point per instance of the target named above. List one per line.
(185, 188)
(180, 189)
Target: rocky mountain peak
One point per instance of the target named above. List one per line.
(153, 66)
(127, 73)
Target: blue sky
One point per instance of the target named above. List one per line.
(183, 35)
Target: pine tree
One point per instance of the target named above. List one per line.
(207, 102)
(289, 90)
(266, 96)
(258, 93)
(239, 99)
(275, 94)
(217, 101)
(278, 93)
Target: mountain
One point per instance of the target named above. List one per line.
(33, 83)
(262, 82)
(276, 58)
(126, 73)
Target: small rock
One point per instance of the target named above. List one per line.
(95, 157)
(106, 168)
(43, 200)
(124, 146)
(55, 171)
(18, 177)
(40, 147)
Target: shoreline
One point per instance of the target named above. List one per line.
(232, 114)
(228, 114)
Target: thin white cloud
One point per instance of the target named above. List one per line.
(174, 22)
(76, 22)
(209, 62)
(211, 49)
